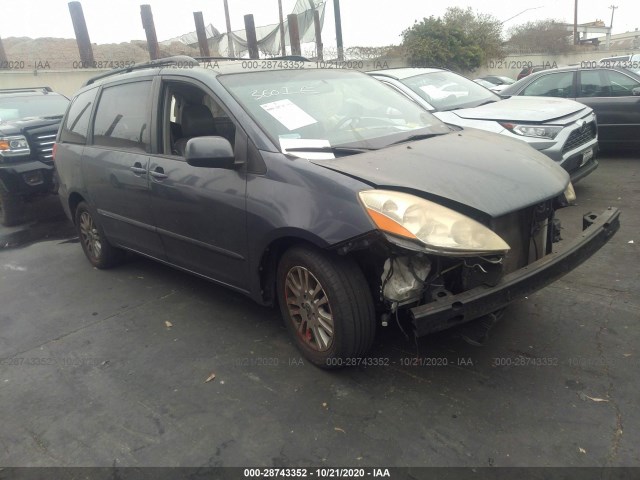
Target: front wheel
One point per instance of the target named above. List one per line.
(95, 245)
(326, 305)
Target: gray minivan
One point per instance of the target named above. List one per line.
(299, 187)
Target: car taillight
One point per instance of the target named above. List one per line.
(53, 152)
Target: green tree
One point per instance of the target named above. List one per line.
(542, 36)
(461, 40)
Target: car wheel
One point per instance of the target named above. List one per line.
(98, 250)
(11, 210)
(326, 305)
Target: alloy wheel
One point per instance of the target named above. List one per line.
(309, 309)
(90, 236)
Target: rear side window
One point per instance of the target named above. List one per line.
(593, 84)
(76, 124)
(551, 85)
(621, 84)
(123, 115)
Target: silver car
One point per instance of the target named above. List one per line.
(564, 130)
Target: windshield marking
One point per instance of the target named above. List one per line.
(266, 93)
(288, 114)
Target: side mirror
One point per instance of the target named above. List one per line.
(636, 91)
(209, 152)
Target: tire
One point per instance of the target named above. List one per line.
(95, 245)
(336, 324)
(11, 210)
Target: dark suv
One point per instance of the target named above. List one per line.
(29, 120)
(323, 191)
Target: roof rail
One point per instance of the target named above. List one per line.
(26, 89)
(296, 58)
(206, 59)
(184, 60)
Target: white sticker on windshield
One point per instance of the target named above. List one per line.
(286, 143)
(289, 114)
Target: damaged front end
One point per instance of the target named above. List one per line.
(454, 269)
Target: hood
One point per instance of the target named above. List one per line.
(19, 127)
(526, 109)
(473, 168)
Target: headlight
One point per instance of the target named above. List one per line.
(536, 131)
(570, 194)
(14, 146)
(440, 229)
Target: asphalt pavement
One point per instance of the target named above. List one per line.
(110, 368)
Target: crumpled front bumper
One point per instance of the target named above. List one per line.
(477, 302)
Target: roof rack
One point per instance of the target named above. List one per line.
(44, 90)
(184, 60)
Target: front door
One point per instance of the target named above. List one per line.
(611, 96)
(200, 213)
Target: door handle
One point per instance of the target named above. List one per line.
(138, 169)
(158, 173)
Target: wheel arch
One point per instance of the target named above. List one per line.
(270, 256)
(74, 200)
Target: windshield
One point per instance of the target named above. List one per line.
(327, 108)
(25, 106)
(449, 91)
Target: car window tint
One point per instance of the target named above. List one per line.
(76, 124)
(551, 85)
(185, 100)
(621, 84)
(593, 84)
(122, 118)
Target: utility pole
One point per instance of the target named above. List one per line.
(229, 41)
(336, 12)
(203, 43)
(575, 25)
(3, 57)
(252, 41)
(613, 10)
(283, 47)
(82, 34)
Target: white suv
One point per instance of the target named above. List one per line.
(564, 130)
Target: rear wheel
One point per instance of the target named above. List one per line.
(98, 250)
(11, 210)
(326, 305)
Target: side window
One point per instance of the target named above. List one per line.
(76, 124)
(190, 112)
(621, 85)
(551, 85)
(593, 84)
(122, 118)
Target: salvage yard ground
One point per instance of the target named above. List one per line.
(110, 368)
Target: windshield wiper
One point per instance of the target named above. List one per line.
(330, 149)
(421, 136)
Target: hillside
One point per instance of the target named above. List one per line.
(25, 53)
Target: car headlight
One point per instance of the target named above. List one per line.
(570, 194)
(14, 146)
(537, 131)
(439, 229)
